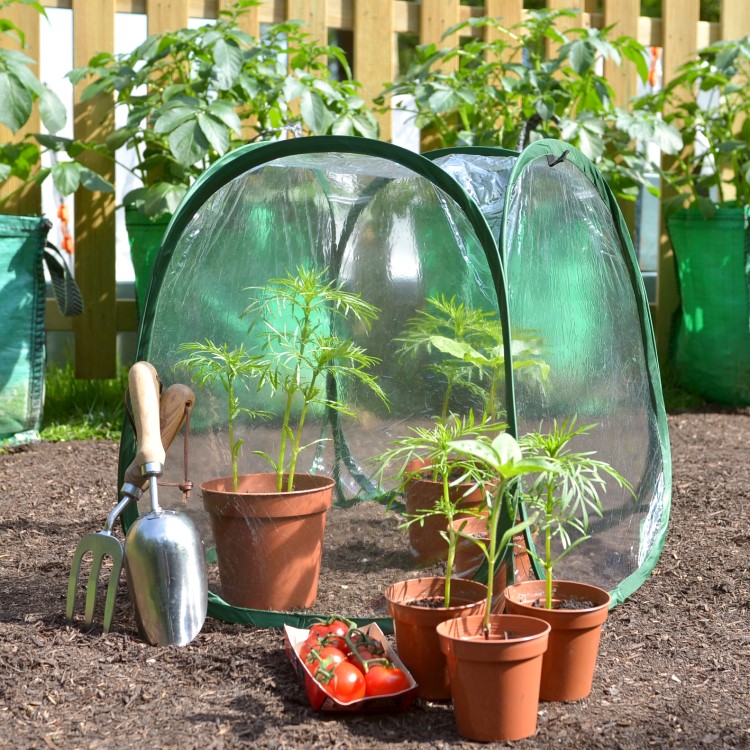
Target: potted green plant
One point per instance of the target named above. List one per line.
(268, 527)
(707, 218)
(494, 661)
(441, 487)
(510, 90)
(192, 95)
(562, 498)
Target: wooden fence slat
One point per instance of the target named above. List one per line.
(735, 19)
(375, 52)
(312, 13)
(435, 17)
(166, 15)
(624, 14)
(29, 200)
(96, 329)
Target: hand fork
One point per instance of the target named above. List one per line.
(173, 407)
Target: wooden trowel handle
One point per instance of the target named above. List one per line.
(172, 405)
(144, 398)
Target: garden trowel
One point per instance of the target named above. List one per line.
(164, 556)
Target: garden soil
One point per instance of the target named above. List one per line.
(673, 671)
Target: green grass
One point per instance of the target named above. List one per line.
(77, 409)
(677, 398)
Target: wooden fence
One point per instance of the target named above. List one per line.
(375, 26)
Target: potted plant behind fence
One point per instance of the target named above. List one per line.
(494, 661)
(191, 95)
(561, 499)
(509, 91)
(707, 219)
(268, 527)
(23, 238)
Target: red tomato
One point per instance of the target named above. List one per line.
(346, 684)
(380, 680)
(326, 657)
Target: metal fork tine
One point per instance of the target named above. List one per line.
(91, 587)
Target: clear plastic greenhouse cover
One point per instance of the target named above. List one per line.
(408, 237)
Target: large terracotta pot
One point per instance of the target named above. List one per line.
(494, 681)
(417, 642)
(426, 544)
(269, 544)
(570, 660)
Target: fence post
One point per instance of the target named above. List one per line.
(374, 43)
(312, 13)
(96, 329)
(28, 202)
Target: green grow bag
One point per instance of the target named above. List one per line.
(22, 241)
(711, 351)
(402, 229)
(144, 237)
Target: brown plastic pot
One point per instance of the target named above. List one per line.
(427, 546)
(269, 544)
(417, 642)
(570, 660)
(494, 681)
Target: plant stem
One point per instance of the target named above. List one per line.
(230, 423)
(451, 543)
(282, 445)
(548, 551)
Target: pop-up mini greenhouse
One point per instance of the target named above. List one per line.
(533, 241)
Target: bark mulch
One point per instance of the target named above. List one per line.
(673, 671)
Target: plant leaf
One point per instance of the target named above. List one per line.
(188, 143)
(16, 102)
(51, 110)
(66, 176)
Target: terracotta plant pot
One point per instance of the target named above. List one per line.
(469, 558)
(268, 544)
(427, 546)
(417, 642)
(568, 669)
(494, 681)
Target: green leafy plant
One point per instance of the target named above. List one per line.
(430, 452)
(19, 90)
(564, 495)
(294, 320)
(210, 364)
(471, 344)
(504, 457)
(707, 100)
(510, 90)
(192, 95)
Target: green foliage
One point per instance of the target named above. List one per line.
(566, 494)
(191, 95)
(471, 344)
(210, 364)
(430, 452)
(504, 457)
(708, 101)
(19, 90)
(295, 318)
(509, 91)
(76, 409)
